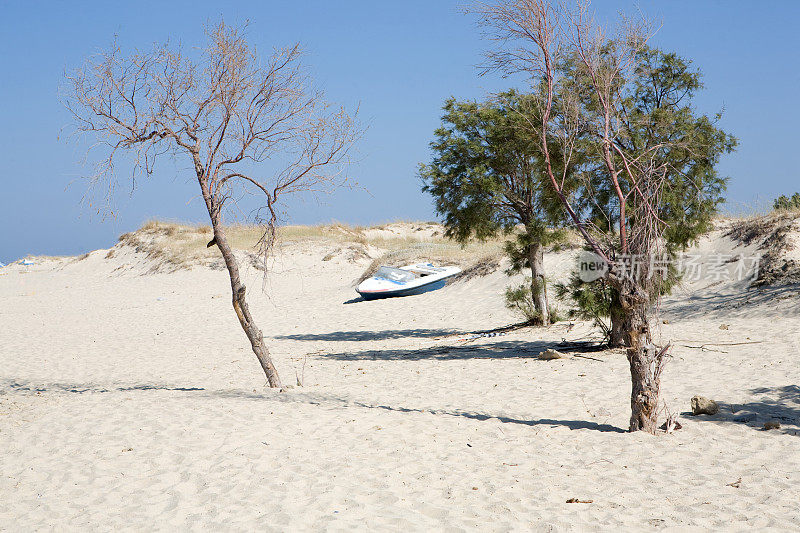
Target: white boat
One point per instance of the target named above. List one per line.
(405, 281)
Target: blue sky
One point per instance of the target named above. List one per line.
(398, 61)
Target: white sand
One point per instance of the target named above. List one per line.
(132, 401)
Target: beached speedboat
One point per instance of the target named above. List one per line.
(405, 281)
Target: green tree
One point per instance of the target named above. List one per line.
(486, 178)
(786, 203)
(658, 111)
(594, 103)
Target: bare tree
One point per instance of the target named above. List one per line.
(243, 125)
(533, 37)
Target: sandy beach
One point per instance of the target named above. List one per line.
(494, 265)
(131, 400)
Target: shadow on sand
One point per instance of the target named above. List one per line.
(726, 304)
(12, 385)
(496, 350)
(571, 424)
(399, 334)
(369, 335)
(296, 396)
(776, 404)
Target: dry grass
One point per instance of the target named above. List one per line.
(173, 246)
(771, 232)
(169, 246)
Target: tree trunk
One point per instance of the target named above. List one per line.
(243, 311)
(617, 337)
(238, 290)
(538, 284)
(646, 362)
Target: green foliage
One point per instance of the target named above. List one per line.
(520, 300)
(487, 175)
(517, 247)
(786, 203)
(658, 111)
(665, 86)
(591, 301)
(594, 300)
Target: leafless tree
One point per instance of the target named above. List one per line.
(534, 37)
(243, 124)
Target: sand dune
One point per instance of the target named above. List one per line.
(131, 400)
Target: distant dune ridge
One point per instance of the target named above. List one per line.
(169, 246)
(119, 410)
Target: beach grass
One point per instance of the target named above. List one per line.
(175, 245)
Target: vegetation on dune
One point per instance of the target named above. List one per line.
(520, 300)
(771, 233)
(787, 203)
(171, 246)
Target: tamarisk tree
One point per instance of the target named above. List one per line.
(534, 38)
(487, 177)
(657, 110)
(243, 124)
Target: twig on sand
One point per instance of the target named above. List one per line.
(476, 336)
(587, 357)
(731, 343)
(505, 329)
(301, 376)
(703, 346)
(502, 329)
(600, 461)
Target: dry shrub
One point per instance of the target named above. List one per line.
(482, 267)
(771, 232)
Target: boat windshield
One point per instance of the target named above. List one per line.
(394, 274)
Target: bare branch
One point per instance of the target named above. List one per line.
(225, 111)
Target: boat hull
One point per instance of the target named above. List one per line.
(403, 291)
(389, 282)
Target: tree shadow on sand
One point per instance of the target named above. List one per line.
(399, 334)
(571, 424)
(296, 396)
(716, 305)
(8, 386)
(369, 335)
(496, 350)
(774, 404)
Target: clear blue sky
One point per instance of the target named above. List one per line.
(397, 60)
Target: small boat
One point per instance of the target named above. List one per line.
(405, 281)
